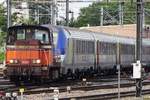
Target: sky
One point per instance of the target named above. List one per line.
(1, 1)
(75, 7)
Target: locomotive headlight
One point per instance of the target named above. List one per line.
(34, 61)
(15, 61)
(58, 58)
(38, 61)
(11, 61)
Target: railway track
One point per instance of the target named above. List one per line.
(89, 92)
(101, 84)
(5, 82)
(107, 96)
(82, 88)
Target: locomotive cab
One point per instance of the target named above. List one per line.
(29, 52)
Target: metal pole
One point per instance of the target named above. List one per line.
(120, 12)
(53, 21)
(72, 16)
(143, 17)
(38, 15)
(118, 81)
(118, 67)
(67, 12)
(8, 13)
(21, 96)
(101, 17)
(139, 43)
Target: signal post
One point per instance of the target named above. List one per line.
(139, 30)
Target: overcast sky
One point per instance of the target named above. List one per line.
(1, 1)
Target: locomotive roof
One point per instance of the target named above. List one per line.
(28, 26)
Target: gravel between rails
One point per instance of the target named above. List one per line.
(78, 93)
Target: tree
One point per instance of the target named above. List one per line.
(91, 15)
(40, 13)
(3, 22)
(21, 20)
(3, 29)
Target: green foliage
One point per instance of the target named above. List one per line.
(21, 20)
(91, 15)
(1, 56)
(2, 41)
(147, 13)
(3, 29)
(3, 25)
(3, 20)
(27, 21)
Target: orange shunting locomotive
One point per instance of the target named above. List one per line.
(29, 53)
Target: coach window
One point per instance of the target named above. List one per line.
(111, 49)
(87, 47)
(107, 48)
(114, 48)
(76, 46)
(92, 47)
(104, 48)
(100, 48)
(148, 50)
(145, 50)
(82, 47)
(79, 46)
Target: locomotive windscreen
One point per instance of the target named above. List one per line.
(28, 33)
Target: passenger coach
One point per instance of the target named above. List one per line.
(85, 52)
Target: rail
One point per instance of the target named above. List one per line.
(106, 96)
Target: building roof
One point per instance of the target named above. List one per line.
(128, 30)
